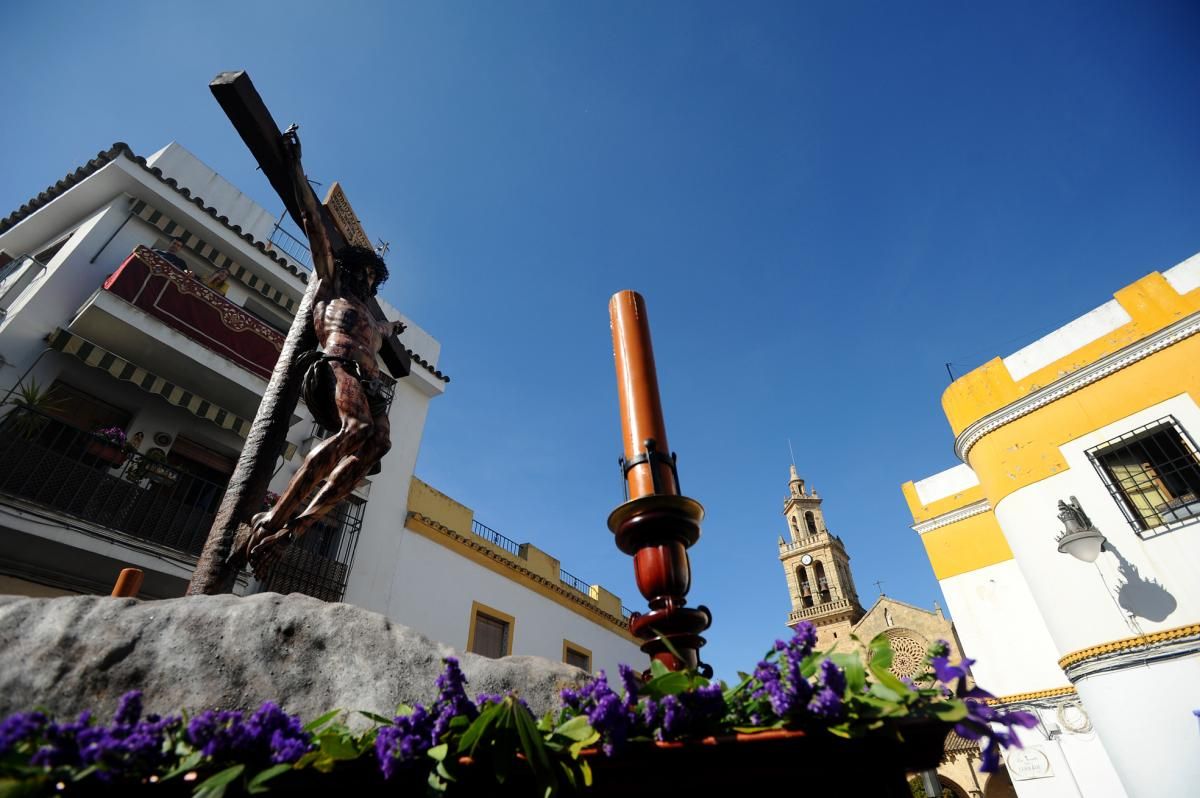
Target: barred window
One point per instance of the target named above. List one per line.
(1153, 473)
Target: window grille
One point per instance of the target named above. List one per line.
(318, 562)
(1153, 473)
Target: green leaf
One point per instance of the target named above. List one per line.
(214, 786)
(317, 723)
(403, 711)
(856, 675)
(336, 745)
(25, 788)
(188, 763)
(438, 752)
(259, 783)
(885, 692)
(670, 683)
(83, 774)
(532, 744)
(950, 711)
(475, 732)
(657, 669)
(576, 729)
(380, 719)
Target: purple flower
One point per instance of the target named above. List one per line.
(269, 735)
(829, 701)
(129, 708)
(947, 673)
(19, 727)
(631, 683)
(407, 739)
(805, 637)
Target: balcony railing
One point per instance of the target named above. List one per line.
(818, 609)
(294, 248)
(495, 538)
(153, 284)
(318, 563)
(81, 475)
(78, 474)
(574, 582)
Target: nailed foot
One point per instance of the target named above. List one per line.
(265, 546)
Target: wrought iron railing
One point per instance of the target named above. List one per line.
(495, 538)
(318, 563)
(626, 613)
(575, 582)
(290, 245)
(85, 476)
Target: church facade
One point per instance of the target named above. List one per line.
(821, 586)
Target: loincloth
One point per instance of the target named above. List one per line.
(319, 388)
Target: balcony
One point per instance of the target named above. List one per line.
(78, 475)
(81, 475)
(149, 282)
(825, 608)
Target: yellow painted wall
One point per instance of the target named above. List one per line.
(1151, 303)
(432, 503)
(966, 545)
(1027, 449)
(923, 512)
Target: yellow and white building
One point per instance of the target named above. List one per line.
(1101, 414)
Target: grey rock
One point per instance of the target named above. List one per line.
(229, 652)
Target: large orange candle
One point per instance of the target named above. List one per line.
(637, 389)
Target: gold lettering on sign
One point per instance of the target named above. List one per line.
(345, 218)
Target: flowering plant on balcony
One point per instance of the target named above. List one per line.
(114, 435)
(459, 746)
(269, 500)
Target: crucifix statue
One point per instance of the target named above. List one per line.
(329, 355)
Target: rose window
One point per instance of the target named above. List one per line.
(908, 653)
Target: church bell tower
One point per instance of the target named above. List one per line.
(817, 568)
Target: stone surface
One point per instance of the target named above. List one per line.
(83, 652)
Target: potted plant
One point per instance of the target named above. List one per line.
(108, 444)
(32, 404)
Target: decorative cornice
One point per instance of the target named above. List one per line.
(560, 592)
(954, 516)
(1150, 641)
(1036, 695)
(1085, 376)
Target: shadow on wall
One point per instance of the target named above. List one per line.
(1145, 598)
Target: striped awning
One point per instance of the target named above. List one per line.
(100, 358)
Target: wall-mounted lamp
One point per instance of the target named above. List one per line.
(1079, 538)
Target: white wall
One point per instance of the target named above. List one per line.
(999, 625)
(1143, 712)
(177, 162)
(1077, 599)
(434, 588)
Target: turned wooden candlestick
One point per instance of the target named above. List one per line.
(656, 525)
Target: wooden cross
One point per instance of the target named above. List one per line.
(879, 586)
(216, 570)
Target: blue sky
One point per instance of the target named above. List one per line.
(822, 204)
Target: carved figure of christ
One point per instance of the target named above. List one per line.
(232, 539)
(349, 339)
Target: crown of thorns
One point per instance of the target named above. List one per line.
(357, 258)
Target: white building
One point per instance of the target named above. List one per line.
(110, 333)
(1102, 417)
